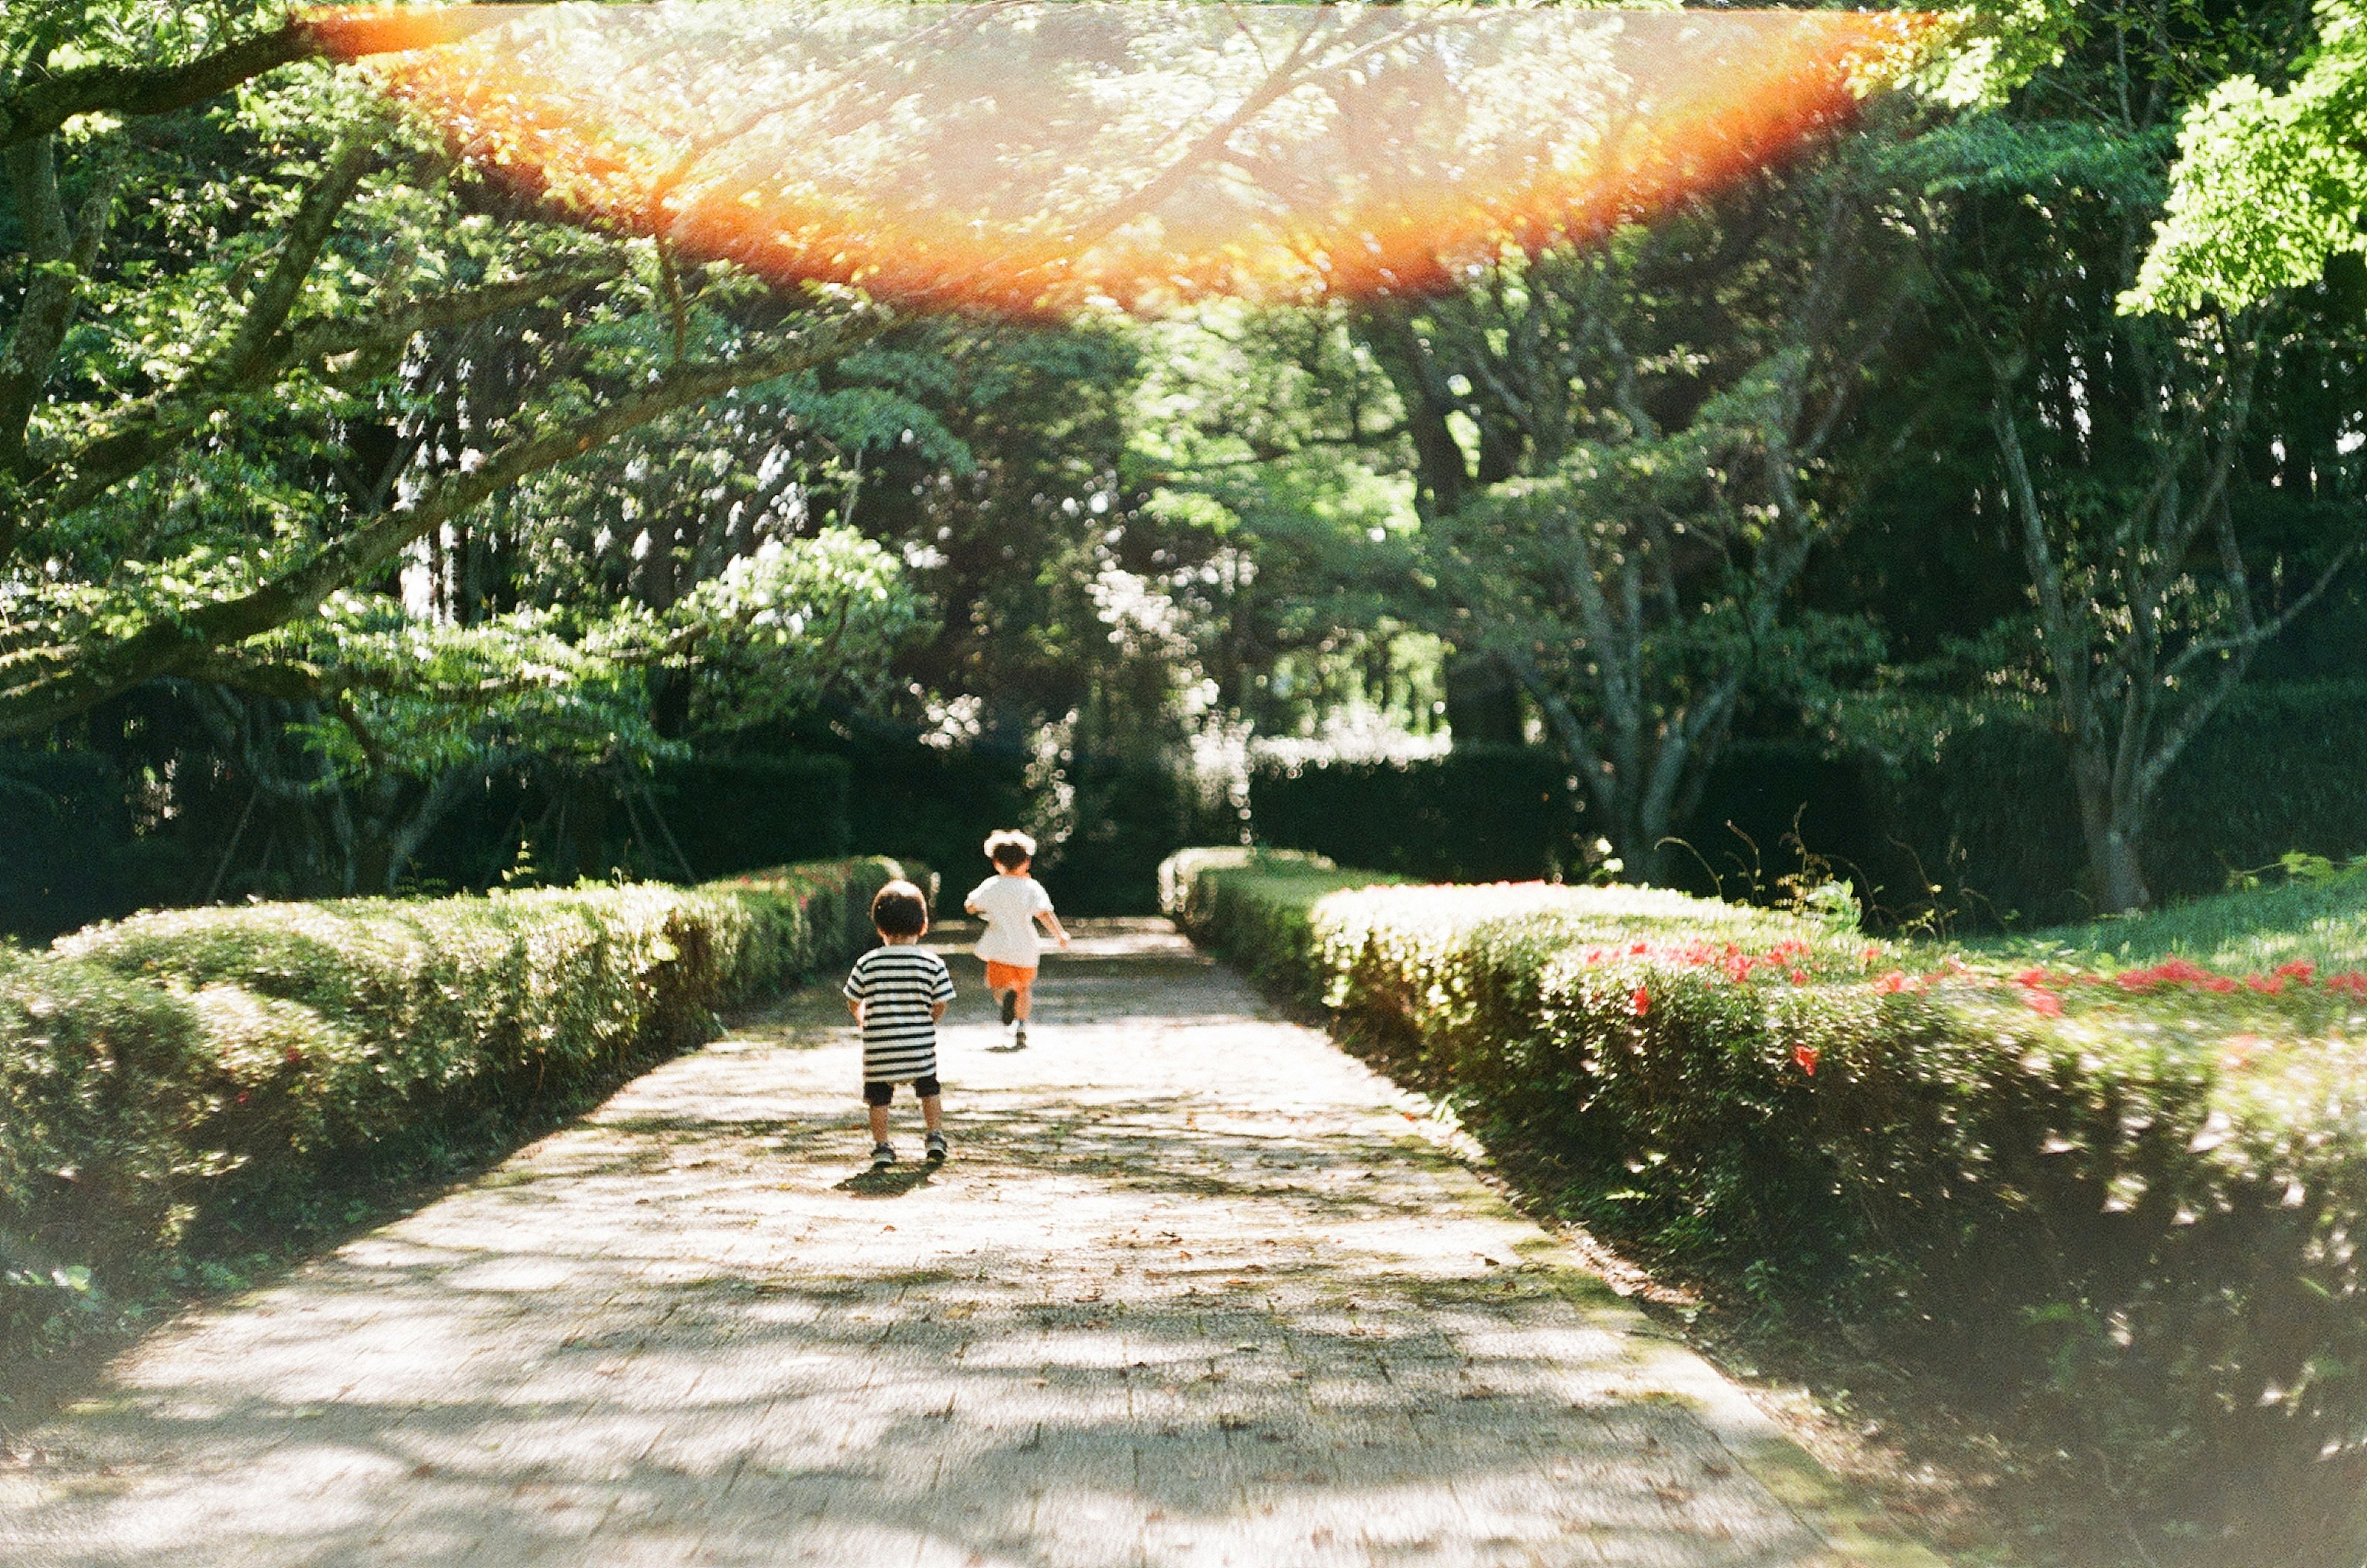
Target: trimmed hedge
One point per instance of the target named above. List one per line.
(1477, 814)
(2121, 1208)
(177, 1079)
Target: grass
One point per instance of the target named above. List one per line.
(2321, 920)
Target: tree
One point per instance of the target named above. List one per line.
(1620, 462)
(2118, 440)
(208, 414)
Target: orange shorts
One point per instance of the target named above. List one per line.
(1008, 976)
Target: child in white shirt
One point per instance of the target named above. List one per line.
(1011, 903)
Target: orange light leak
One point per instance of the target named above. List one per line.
(1035, 158)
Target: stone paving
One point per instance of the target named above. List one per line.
(1195, 1288)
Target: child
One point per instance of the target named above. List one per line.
(897, 992)
(1011, 902)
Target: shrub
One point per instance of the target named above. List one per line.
(1986, 807)
(180, 1078)
(2117, 1205)
(1476, 814)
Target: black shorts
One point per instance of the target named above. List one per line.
(882, 1093)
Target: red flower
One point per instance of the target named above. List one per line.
(1891, 984)
(1807, 1057)
(1640, 1003)
(2031, 977)
(295, 1058)
(1799, 977)
(2267, 985)
(2300, 969)
(2046, 1004)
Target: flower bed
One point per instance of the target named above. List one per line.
(2119, 1204)
(179, 1079)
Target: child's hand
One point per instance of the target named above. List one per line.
(1064, 941)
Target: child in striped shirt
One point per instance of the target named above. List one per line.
(897, 992)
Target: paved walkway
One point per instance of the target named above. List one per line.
(1194, 1290)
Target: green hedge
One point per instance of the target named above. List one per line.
(1477, 814)
(179, 1080)
(2121, 1208)
(1988, 809)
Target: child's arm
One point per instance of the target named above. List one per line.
(1052, 923)
(856, 1007)
(936, 1012)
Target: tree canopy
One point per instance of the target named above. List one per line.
(360, 494)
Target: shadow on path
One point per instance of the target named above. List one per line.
(1192, 1291)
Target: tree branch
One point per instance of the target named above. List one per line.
(316, 215)
(46, 102)
(165, 648)
(2066, 648)
(150, 433)
(61, 256)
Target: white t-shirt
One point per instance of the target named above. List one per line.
(1010, 905)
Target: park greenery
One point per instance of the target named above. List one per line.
(2103, 1199)
(373, 522)
(185, 1091)
(1949, 535)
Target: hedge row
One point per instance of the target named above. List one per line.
(1477, 814)
(2121, 1208)
(180, 1079)
(1984, 808)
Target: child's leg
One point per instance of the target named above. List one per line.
(1024, 989)
(933, 1112)
(875, 1099)
(879, 1123)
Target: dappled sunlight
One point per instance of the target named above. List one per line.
(1192, 1288)
(1034, 157)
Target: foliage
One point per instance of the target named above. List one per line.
(1475, 814)
(179, 1081)
(1981, 805)
(1618, 472)
(2113, 1205)
(2269, 184)
(401, 484)
(2119, 445)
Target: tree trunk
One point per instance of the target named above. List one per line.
(2112, 823)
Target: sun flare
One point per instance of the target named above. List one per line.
(1038, 157)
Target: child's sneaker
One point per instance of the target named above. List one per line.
(1019, 1038)
(882, 1155)
(1010, 1007)
(935, 1148)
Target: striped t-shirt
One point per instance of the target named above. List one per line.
(897, 987)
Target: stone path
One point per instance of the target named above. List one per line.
(1194, 1290)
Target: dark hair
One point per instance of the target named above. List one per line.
(1010, 849)
(899, 909)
